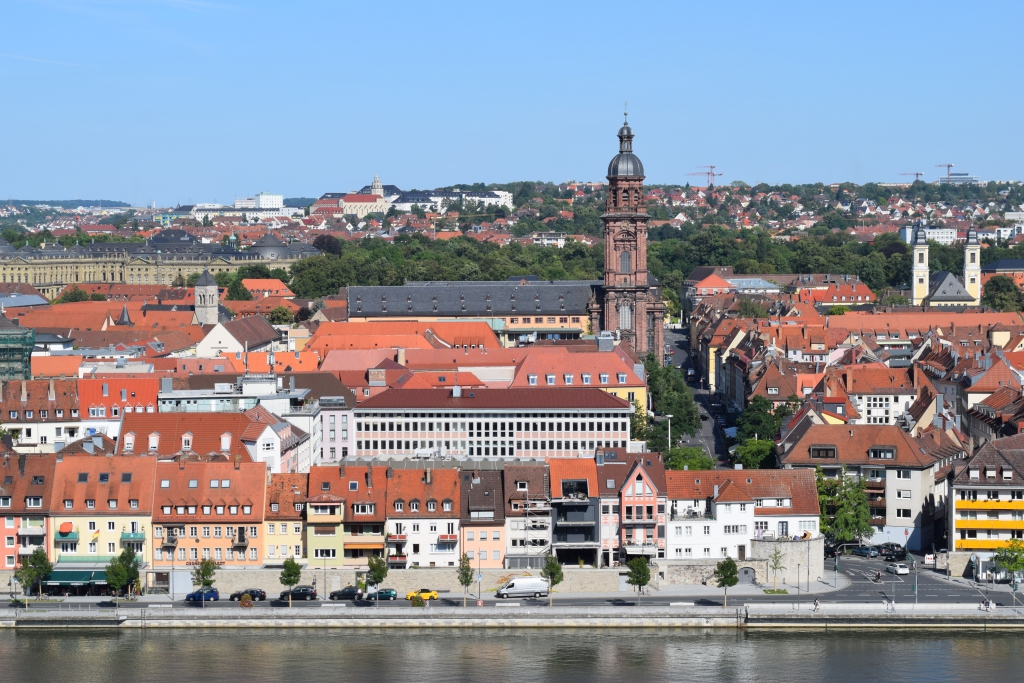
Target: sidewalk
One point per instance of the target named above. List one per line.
(712, 591)
(94, 599)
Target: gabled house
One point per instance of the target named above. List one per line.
(422, 517)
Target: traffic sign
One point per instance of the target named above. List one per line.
(479, 577)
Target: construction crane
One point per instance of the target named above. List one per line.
(946, 166)
(709, 174)
(917, 175)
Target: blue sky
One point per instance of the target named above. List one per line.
(185, 101)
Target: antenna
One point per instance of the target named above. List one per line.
(710, 174)
(946, 166)
(917, 175)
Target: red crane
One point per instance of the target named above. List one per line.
(710, 174)
(917, 175)
(946, 166)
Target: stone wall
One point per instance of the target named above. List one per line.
(698, 571)
(795, 554)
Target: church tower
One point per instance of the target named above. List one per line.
(376, 187)
(919, 280)
(630, 298)
(207, 300)
(972, 266)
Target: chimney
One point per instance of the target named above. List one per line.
(400, 359)
(369, 477)
(22, 458)
(428, 478)
(181, 463)
(390, 472)
(51, 395)
(24, 391)
(238, 461)
(291, 383)
(341, 470)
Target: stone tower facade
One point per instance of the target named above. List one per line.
(207, 300)
(919, 279)
(630, 301)
(972, 265)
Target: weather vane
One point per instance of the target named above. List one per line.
(625, 110)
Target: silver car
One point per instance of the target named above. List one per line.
(897, 568)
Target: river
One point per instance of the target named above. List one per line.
(494, 656)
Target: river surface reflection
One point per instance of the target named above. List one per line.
(395, 656)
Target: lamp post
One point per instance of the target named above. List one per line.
(669, 431)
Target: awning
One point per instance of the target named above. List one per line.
(365, 546)
(70, 578)
(99, 578)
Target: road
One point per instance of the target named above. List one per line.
(932, 587)
(710, 435)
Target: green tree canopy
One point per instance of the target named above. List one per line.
(281, 315)
(688, 457)
(33, 570)
(238, 292)
(552, 571)
(376, 571)
(71, 294)
(1002, 294)
(203, 574)
(639, 574)
(291, 574)
(754, 454)
(726, 576)
(464, 573)
(845, 512)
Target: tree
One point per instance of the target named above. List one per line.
(1002, 294)
(845, 512)
(775, 564)
(281, 315)
(179, 280)
(376, 572)
(33, 570)
(465, 575)
(838, 310)
(130, 562)
(895, 300)
(552, 571)
(757, 420)
(238, 292)
(688, 457)
(753, 454)
(203, 575)
(72, 294)
(96, 296)
(638, 428)
(1011, 558)
(726, 575)
(117, 576)
(639, 575)
(291, 574)
(748, 308)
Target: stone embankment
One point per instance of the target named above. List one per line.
(343, 616)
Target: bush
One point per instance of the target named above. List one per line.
(417, 601)
(246, 601)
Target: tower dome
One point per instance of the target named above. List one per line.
(625, 164)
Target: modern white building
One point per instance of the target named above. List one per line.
(933, 233)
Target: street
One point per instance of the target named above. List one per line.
(710, 435)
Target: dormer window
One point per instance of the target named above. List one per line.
(225, 441)
(823, 452)
(154, 441)
(186, 442)
(550, 379)
(567, 379)
(604, 378)
(532, 379)
(586, 378)
(129, 441)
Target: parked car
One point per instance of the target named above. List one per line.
(300, 593)
(886, 548)
(897, 568)
(380, 594)
(704, 418)
(896, 555)
(524, 586)
(256, 594)
(346, 593)
(203, 595)
(865, 551)
(424, 593)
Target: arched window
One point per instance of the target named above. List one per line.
(625, 262)
(625, 316)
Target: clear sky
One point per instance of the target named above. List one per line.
(180, 101)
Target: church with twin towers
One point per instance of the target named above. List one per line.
(942, 288)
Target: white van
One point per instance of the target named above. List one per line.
(524, 586)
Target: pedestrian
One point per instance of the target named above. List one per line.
(817, 605)
(892, 604)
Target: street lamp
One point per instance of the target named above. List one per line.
(669, 431)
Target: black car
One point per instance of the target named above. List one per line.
(256, 594)
(346, 593)
(300, 593)
(896, 555)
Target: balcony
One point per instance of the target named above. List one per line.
(170, 541)
(989, 504)
(447, 538)
(647, 548)
(31, 531)
(877, 521)
(876, 502)
(989, 524)
(240, 542)
(69, 536)
(397, 558)
(692, 515)
(24, 550)
(133, 536)
(638, 521)
(981, 544)
(539, 526)
(396, 538)
(874, 484)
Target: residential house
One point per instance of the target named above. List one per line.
(575, 498)
(41, 415)
(325, 513)
(252, 333)
(632, 487)
(422, 517)
(482, 518)
(527, 516)
(284, 520)
(25, 502)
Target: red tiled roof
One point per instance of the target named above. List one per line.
(573, 469)
(67, 486)
(797, 484)
(409, 485)
(247, 486)
(507, 399)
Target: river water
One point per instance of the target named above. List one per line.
(493, 656)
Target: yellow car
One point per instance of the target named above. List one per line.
(424, 593)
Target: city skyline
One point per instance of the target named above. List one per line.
(178, 102)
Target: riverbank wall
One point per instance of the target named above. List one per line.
(341, 616)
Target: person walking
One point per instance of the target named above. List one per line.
(817, 605)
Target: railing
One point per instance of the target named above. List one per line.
(396, 558)
(69, 536)
(28, 549)
(240, 542)
(127, 536)
(396, 538)
(877, 521)
(170, 541)
(692, 515)
(874, 483)
(31, 531)
(447, 538)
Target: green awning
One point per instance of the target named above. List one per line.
(99, 578)
(70, 578)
